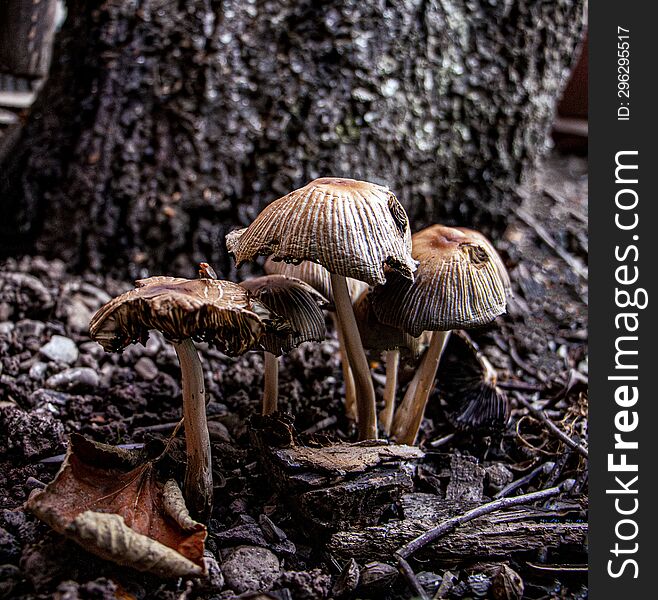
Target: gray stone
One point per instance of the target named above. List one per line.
(38, 370)
(30, 328)
(146, 368)
(60, 349)
(249, 568)
(78, 315)
(93, 349)
(77, 379)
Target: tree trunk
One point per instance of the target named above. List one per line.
(164, 125)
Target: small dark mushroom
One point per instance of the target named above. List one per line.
(460, 283)
(353, 229)
(300, 305)
(218, 312)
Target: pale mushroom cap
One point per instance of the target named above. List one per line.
(377, 336)
(218, 312)
(352, 228)
(314, 275)
(461, 282)
(298, 303)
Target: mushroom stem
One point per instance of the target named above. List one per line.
(409, 415)
(392, 363)
(365, 391)
(348, 378)
(271, 393)
(198, 489)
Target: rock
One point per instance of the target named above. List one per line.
(93, 349)
(33, 434)
(38, 371)
(78, 315)
(76, 380)
(146, 368)
(306, 585)
(250, 569)
(10, 578)
(213, 582)
(6, 327)
(30, 328)
(60, 349)
(10, 549)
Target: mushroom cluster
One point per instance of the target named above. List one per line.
(336, 244)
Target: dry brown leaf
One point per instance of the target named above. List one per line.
(120, 511)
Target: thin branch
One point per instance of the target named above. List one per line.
(541, 415)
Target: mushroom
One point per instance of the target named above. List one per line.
(384, 338)
(474, 389)
(461, 282)
(319, 278)
(299, 304)
(218, 312)
(353, 229)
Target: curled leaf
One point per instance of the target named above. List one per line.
(119, 510)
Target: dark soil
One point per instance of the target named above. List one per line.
(72, 385)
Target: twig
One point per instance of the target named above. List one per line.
(508, 489)
(411, 578)
(320, 425)
(541, 415)
(450, 524)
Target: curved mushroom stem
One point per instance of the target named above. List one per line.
(271, 393)
(348, 378)
(386, 415)
(198, 490)
(409, 415)
(365, 390)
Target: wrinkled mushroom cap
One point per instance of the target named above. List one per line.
(461, 282)
(314, 275)
(218, 312)
(352, 228)
(377, 336)
(298, 303)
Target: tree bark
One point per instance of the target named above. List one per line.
(164, 125)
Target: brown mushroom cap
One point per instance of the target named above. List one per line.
(218, 312)
(297, 302)
(352, 228)
(314, 275)
(461, 282)
(377, 336)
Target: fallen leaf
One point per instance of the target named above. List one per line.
(116, 508)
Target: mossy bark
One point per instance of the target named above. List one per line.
(164, 125)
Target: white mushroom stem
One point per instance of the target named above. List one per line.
(409, 415)
(348, 378)
(271, 392)
(392, 364)
(197, 489)
(365, 391)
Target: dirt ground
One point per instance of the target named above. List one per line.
(54, 381)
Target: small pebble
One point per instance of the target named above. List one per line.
(78, 379)
(60, 349)
(146, 368)
(93, 349)
(30, 328)
(38, 371)
(250, 569)
(6, 327)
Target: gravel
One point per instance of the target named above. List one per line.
(61, 349)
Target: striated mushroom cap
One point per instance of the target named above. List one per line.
(461, 282)
(298, 303)
(314, 275)
(218, 312)
(377, 336)
(352, 228)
